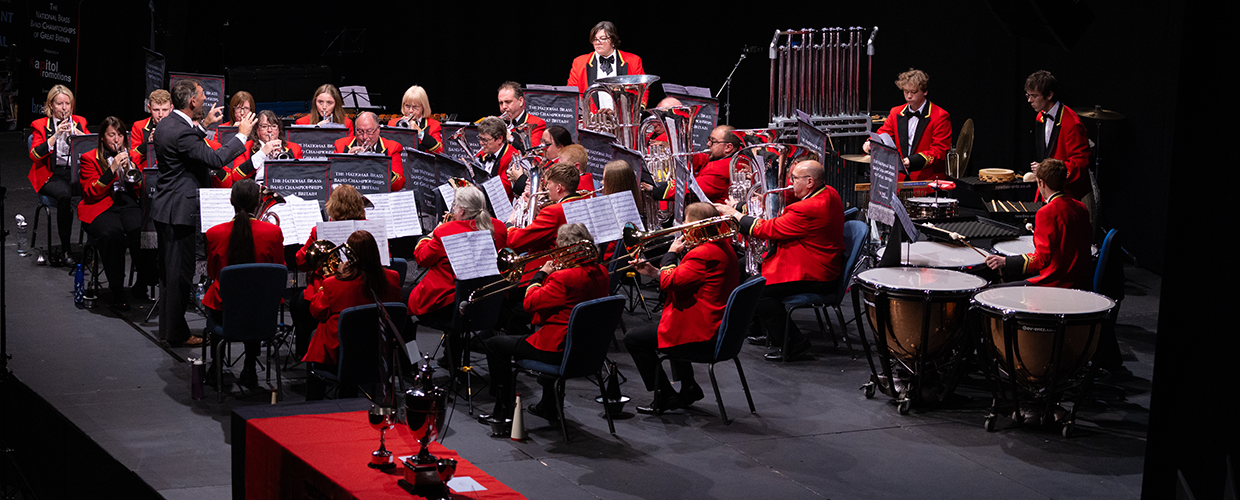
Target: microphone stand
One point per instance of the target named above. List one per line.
(727, 84)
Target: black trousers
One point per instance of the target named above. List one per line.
(114, 230)
(60, 190)
(501, 351)
(643, 346)
(177, 244)
(770, 313)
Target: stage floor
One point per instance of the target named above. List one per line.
(814, 435)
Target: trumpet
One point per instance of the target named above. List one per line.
(325, 258)
(512, 267)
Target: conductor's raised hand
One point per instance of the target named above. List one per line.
(245, 125)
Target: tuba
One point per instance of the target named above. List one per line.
(626, 93)
(527, 208)
(662, 158)
(760, 173)
(269, 198)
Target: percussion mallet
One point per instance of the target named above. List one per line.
(958, 237)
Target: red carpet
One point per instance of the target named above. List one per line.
(325, 456)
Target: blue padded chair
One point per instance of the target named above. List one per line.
(357, 358)
(401, 266)
(251, 294)
(591, 327)
(730, 338)
(1105, 278)
(854, 236)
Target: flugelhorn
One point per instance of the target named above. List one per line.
(512, 267)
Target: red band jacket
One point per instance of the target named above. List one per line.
(928, 157)
(1062, 237)
(806, 243)
(438, 288)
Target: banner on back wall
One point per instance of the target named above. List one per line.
(50, 54)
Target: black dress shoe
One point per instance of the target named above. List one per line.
(662, 404)
(67, 260)
(757, 340)
(797, 349)
(498, 414)
(248, 378)
(548, 414)
(689, 396)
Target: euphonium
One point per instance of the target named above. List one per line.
(759, 186)
(269, 198)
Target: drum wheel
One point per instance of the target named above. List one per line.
(870, 388)
(989, 424)
(1068, 427)
(904, 406)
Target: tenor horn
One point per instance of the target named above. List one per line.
(269, 199)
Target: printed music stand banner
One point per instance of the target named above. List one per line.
(809, 136)
(635, 160)
(156, 75)
(598, 152)
(224, 134)
(885, 206)
(305, 179)
(422, 177)
(450, 147)
(555, 105)
(78, 146)
(707, 119)
(369, 173)
(50, 48)
(316, 142)
(212, 88)
(149, 238)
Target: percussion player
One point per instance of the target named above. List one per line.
(415, 108)
(185, 162)
(367, 140)
(267, 144)
(356, 283)
(243, 240)
(711, 169)
(109, 210)
(603, 62)
(921, 130)
(495, 152)
(1062, 236)
(697, 290)
(345, 203)
(1059, 134)
(328, 109)
(160, 105)
(550, 298)
(806, 253)
(434, 297)
(513, 112)
(49, 172)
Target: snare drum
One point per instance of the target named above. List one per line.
(898, 300)
(1032, 316)
(939, 255)
(1018, 246)
(930, 207)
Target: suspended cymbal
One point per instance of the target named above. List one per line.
(1097, 113)
(857, 158)
(964, 145)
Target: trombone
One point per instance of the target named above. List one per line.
(512, 267)
(695, 233)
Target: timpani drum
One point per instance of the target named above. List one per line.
(1018, 246)
(917, 315)
(939, 256)
(1041, 337)
(931, 207)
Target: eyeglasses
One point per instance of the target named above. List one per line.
(602, 39)
(243, 108)
(268, 126)
(483, 138)
(1031, 96)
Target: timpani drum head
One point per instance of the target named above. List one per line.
(921, 279)
(1018, 246)
(935, 254)
(1044, 300)
(932, 201)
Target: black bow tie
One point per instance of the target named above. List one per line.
(606, 63)
(913, 114)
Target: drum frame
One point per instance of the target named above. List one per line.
(882, 329)
(1056, 383)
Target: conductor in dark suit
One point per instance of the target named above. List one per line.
(185, 164)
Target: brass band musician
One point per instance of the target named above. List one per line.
(110, 211)
(415, 109)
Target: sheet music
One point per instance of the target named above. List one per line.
(500, 204)
(598, 216)
(308, 214)
(215, 205)
(336, 231)
(288, 223)
(471, 254)
(697, 189)
(378, 229)
(400, 211)
(625, 209)
(449, 194)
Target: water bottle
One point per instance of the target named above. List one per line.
(79, 288)
(23, 243)
(198, 373)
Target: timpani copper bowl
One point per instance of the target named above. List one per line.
(917, 315)
(1040, 338)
